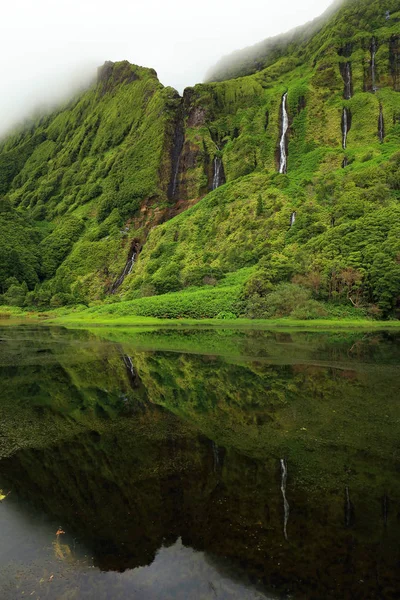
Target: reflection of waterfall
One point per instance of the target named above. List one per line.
(347, 80)
(381, 125)
(385, 509)
(373, 64)
(129, 365)
(218, 171)
(283, 141)
(345, 126)
(293, 219)
(348, 509)
(285, 502)
(127, 270)
(216, 456)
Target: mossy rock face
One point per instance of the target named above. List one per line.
(130, 155)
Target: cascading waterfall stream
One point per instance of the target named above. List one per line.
(127, 271)
(293, 219)
(345, 127)
(285, 502)
(283, 141)
(130, 263)
(217, 177)
(373, 64)
(177, 149)
(175, 180)
(381, 125)
(347, 81)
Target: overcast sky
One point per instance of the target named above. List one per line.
(48, 47)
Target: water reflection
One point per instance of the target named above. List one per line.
(160, 457)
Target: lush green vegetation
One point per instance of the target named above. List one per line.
(128, 168)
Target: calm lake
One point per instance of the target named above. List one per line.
(199, 464)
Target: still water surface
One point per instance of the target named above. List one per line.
(199, 464)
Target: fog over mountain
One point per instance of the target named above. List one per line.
(50, 49)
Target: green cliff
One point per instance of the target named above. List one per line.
(132, 192)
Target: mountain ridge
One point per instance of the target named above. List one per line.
(263, 53)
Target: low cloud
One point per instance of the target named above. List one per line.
(49, 50)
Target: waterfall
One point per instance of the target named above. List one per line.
(283, 142)
(218, 171)
(176, 152)
(293, 219)
(130, 263)
(373, 64)
(175, 180)
(345, 162)
(381, 125)
(345, 126)
(285, 502)
(347, 81)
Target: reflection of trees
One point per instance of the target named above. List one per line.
(126, 481)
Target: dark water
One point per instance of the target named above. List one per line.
(199, 464)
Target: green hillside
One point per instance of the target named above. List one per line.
(113, 196)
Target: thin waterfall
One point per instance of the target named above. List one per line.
(130, 263)
(373, 64)
(381, 125)
(285, 502)
(218, 170)
(293, 218)
(345, 126)
(176, 152)
(345, 162)
(283, 141)
(175, 180)
(347, 81)
(127, 271)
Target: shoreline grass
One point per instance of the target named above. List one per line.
(134, 322)
(84, 318)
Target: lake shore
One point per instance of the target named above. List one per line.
(84, 318)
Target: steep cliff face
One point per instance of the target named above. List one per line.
(96, 162)
(109, 169)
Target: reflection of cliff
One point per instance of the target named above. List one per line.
(126, 493)
(128, 455)
(57, 385)
(321, 418)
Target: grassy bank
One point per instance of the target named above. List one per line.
(126, 314)
(87, 319)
